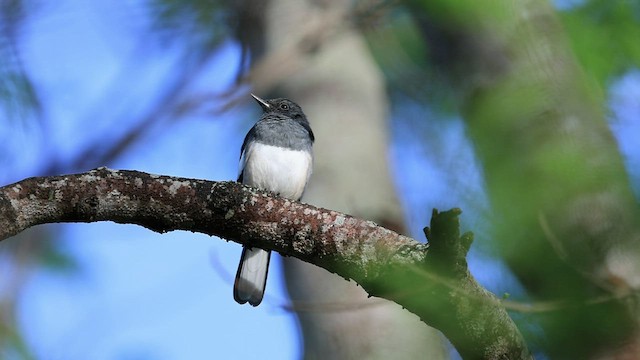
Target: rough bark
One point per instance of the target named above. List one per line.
(386, 264)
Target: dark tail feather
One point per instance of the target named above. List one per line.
(251, 278)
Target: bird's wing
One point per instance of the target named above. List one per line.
(307, 127)
(244, 150)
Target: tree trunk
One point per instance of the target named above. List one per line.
(342, 92)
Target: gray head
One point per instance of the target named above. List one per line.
(282, 106)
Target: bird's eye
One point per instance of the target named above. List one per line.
(284, 107)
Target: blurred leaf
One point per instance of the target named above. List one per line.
(605, 36)
(12, 345)
(52, 257)
(405, 59)
(18, 97)
(202, 22)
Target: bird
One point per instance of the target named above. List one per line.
(276, 156)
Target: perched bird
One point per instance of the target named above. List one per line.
(276, 156)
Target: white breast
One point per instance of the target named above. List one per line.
(276, 169)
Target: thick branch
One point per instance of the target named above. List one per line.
(383, 262)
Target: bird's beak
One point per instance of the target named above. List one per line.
(263, 104)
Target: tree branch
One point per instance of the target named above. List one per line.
(386, 264)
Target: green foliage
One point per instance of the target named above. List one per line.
(605, 35)
(404, 57)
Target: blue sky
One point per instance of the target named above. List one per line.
(141, 295)
(137, 295)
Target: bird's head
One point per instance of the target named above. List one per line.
(281, 106)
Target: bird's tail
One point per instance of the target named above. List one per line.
(251, 278)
